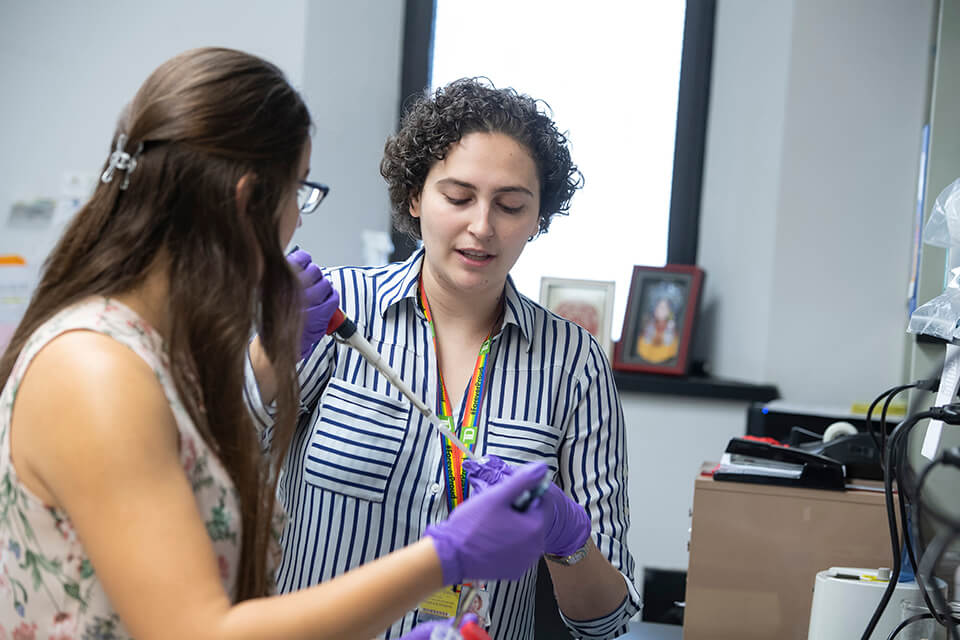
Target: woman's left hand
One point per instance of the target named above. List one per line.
(570, 526)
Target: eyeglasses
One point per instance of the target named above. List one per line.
(310, 195)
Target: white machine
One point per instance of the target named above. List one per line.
(844, 599)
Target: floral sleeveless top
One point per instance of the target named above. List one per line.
(48, 587)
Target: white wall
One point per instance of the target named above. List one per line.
(67, 69)
(811, 166)
(741, 179)
(667, 440)
(352, 86)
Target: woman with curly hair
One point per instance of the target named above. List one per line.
(475, 172)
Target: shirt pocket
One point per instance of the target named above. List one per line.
(356, 441)
(519, 442)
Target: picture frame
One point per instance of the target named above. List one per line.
(661, 312)
(588, 303)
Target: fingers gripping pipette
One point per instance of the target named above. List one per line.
(344, 329)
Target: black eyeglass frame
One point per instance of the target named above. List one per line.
(311, 204)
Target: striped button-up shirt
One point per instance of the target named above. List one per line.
(364, 474)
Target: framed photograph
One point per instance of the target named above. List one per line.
(658, 323)
(589, 303)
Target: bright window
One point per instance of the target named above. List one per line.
(610, 73)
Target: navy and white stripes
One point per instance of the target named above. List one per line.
(364, 473)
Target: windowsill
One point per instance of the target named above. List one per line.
(695, 387)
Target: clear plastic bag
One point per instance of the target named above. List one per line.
(943, 225)
(939, 317)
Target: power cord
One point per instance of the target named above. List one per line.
(949, 414)
(924, 384)
(900, 627)
(936, 549)
(911, 529)
(888, 477)
(879, 443)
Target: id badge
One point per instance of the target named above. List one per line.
(440, 605)
(444, 604)
(480, 604)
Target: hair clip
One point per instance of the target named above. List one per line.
(123, 161)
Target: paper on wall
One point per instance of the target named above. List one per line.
(16, 283)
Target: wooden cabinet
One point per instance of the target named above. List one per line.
(755, 551)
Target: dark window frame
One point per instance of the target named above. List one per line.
(693, 100)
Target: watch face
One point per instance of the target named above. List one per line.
(577, 556)
(573, 558)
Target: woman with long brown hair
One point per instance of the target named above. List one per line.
(136, 497)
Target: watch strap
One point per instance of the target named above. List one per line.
(569, 560)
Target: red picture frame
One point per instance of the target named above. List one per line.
(658, 324)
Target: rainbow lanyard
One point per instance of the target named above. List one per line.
(455, 476)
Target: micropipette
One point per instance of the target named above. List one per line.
(346, 331)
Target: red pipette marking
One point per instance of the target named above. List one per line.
(337, 319)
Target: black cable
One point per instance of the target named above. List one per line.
(911, 526)
(888, 475)
(898, 457)
(900, 627)
(869, 424)
(942, 459)
(913, 417)
(949, 457)
(935, 551)
(928, 384)
(886, 406)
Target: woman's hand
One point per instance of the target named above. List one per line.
(486, 538)
(568, 525)
(320, 300)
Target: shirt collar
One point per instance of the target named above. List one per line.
(402, 282)
(518, 309)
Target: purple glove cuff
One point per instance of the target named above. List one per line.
(571, 524)
(448, 552)
(573, 545)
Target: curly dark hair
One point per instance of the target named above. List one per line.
(432, 124)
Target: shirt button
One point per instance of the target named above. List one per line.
(435, 488)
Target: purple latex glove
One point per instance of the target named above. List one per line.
(423, 631)
(486, 539)
(320, 300)
(568, 525)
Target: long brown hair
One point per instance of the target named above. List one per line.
(205, 119)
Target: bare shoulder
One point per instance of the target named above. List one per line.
(85, 397)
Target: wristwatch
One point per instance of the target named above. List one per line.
(569, 560)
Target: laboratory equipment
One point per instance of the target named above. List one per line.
(344, 329)
(844, 598)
